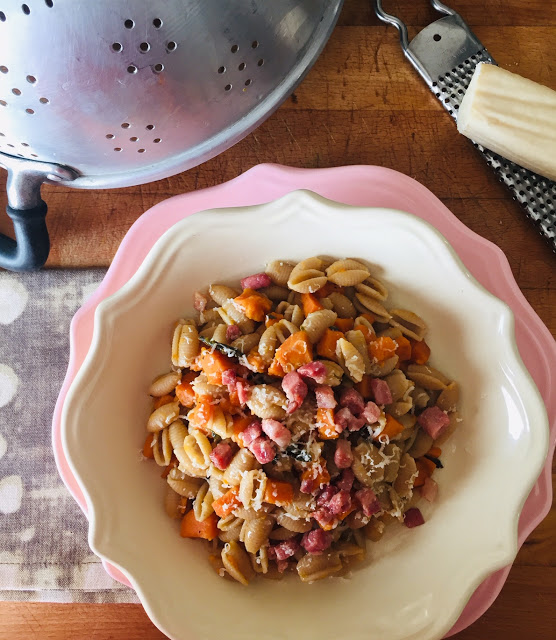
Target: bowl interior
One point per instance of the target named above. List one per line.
(415, 582)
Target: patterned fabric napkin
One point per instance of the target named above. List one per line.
(43, 534)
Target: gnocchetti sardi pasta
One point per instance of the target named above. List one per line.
(298, 418)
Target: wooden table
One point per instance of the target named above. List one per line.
(361, 104)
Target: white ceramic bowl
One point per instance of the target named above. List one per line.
(415, 582)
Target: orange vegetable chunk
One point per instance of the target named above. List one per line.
(392, 428)
(328, 288)
(255, 360)
(317, 473)
(201, 413)
(420, 351)
(422, 475)
(426, 468)
(240, 424)
(272, 318)
(254, 305)
(364, 387)
(193, 528)
(344, 324)
(368, 316)
(380, 349)
(148, 446)
(367, 333)
(276, 369)
(327, 344)
(277, 492)
(227, 503)
(310, 303)
(327, 426)
(294, 352)
(213, 363)
(184, 390)
(403, 350)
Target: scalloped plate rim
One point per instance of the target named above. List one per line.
(145, 278)
(319, 180)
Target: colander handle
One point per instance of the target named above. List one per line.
(31, 246)
(27, 210)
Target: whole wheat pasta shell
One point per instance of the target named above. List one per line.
(279, 271)
(409, 323)
(365, 303)
(373, 288)
(347, 273)
(307, 276)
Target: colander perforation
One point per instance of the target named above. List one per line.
(25, 9)
(250, 61)
(135, 48)
(121, 139)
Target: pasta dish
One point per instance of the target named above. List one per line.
(298, 418)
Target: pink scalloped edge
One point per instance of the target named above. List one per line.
(359, 185)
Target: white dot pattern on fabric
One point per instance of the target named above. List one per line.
(13, 298)
(50, 561)
(11, 493)
(8, 384)
(27, 534)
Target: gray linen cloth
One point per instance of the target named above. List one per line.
(43, 534)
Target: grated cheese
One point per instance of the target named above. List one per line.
(408, 391)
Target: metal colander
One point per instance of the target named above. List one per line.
(114, 93)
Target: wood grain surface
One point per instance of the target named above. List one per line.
(360, 104)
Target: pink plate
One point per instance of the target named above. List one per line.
(367, 186)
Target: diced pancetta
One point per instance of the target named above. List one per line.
(263, 450)
(368, 501)
(353, 400)
(200, 301)
(371, 412)
(232, 332)
(381, 391)
(345, 482)
(433, 421)
(314, 370)
(277, 432)
(339, 503)
(243, 389)
(429, 490)
(316, 541)
(252, 432)
(343, 456)
(256, 281)
(413, 518)
(284, 549)
(325, 397)
(325, 495)
(344, 419)
(295, 390)
(221, 455)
